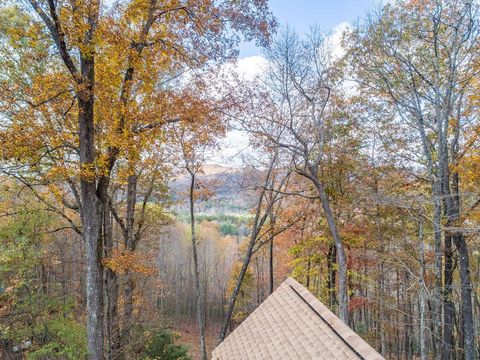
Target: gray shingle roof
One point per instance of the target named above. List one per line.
(292, 324)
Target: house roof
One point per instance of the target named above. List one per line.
(292, 324)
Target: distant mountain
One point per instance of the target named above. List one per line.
(212, 169)
(226, 189)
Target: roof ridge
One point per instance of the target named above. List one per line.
(354, 341)
(293, 323)
(328, 324)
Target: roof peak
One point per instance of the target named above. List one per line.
(291, 324)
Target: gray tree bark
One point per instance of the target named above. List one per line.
(200, 297)
(92, 209)
(341, 257)
(111, 280)
(422, 295)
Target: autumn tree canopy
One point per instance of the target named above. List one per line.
(127, 229)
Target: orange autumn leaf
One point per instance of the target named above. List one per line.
(123, 261)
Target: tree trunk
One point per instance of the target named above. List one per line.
(410, 333)
(111, 278)
(341, 258)
(437, 298)
(422, 295)
(128, 291)
(271, 282)
(257, 225)
(198, 287)
(92, 211)
(130, 245)
(466, 291)
(64, 285)
(381, 311)
(233, 297)
(461, 245)
(307, 281)
(331, 282)
(448, 307)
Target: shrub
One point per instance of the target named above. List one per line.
(65, 339)
(162, 346)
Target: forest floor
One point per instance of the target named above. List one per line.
(189, 337)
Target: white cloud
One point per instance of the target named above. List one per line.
(236, 143)
(246, 68)
(232, 147)
(335, 39)
(252, 66)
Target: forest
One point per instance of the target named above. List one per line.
(125, 231)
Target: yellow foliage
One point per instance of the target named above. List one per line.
(123, 261)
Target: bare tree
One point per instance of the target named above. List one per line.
(420, 57)
(193, 155)
(300, 80)
(263, 209)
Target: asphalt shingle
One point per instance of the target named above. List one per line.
(292, 324)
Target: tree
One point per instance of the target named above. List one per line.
(36, 310)
(194, 143)
(262, 210)
(418, 57)
(104, 55)
(132, 195)
(301, 81)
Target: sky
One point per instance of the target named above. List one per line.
(302, 14)
(333, 16)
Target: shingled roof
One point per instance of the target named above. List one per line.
(292, 324)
